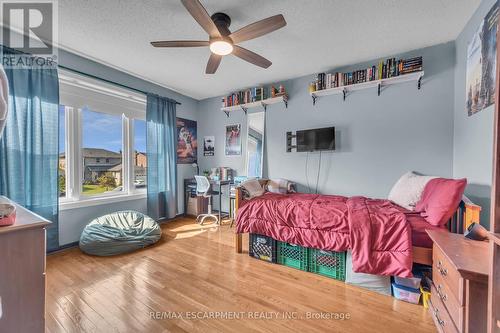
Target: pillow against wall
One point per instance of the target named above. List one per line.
(440, 200)
(252, 188)
(408, 189)
(281, 186)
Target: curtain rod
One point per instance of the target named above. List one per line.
(111, 82)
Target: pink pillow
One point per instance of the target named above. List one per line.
(440, 200)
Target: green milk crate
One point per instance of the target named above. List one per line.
(292, 255)
(327, 263)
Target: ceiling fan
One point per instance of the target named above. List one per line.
(222, 41)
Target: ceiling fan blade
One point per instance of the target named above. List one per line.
(251, 57)
(180, 43)
(213, 63)
(258, 28)
(199, 13)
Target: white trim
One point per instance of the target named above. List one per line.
(81, 81)
(83, 92)
(76, 147)
(67, 165)
(127, 146)
(100, 200)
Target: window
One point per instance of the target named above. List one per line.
(140, 158)
(62, 156)
(102, 142)
(101, 138)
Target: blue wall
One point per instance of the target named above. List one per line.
(473, 136)
(378, 138)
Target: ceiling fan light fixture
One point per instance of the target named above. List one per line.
(221, 47)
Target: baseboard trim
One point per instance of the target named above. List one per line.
(63, 248)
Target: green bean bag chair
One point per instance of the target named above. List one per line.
(119, 232)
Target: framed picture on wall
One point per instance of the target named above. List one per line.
(481, 65)
(233, 140)
(209, 145)
(187, 144)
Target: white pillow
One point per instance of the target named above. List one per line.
(408, 189)
(253, 188)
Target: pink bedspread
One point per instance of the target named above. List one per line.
(375, 230)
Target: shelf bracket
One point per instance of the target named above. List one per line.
(419, 84)
(313, 97)
(244, 109)
(378, 89)
(264, 105)
(344, 92)
(227, 113)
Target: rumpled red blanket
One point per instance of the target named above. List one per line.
(375, 230)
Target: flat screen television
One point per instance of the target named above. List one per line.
(316, 139)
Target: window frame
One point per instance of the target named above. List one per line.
(135, 108)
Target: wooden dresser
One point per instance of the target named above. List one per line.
(22, 273)
(459, 293)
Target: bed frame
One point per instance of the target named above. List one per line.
(466, 214)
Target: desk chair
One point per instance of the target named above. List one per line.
(203, 189)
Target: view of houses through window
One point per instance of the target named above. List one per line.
(102, 153)
(102, 144)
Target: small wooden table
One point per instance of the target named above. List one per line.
(459, 293)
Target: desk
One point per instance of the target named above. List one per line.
(190, 186)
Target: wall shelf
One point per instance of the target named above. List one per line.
(345, 90)
(264, 103)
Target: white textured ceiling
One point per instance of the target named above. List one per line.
(320, 35)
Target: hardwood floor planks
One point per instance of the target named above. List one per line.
(195, 268)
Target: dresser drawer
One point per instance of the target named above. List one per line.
(456, 311)
(440, 315)
(444, 273)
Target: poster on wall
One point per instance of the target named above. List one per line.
(209, 146)
(187, 144)
(233, 140)
(481, 65)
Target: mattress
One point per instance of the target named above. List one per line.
(419, 225)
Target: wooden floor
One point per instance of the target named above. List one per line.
(194, 273)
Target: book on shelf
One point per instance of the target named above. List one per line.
(251, 95)
(389, 68)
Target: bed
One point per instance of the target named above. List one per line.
(421, 245)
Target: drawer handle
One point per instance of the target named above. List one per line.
(439, 320)
(442, 296)
(443, 271)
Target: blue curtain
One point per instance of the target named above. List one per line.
(29, 145)
(161, 137)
